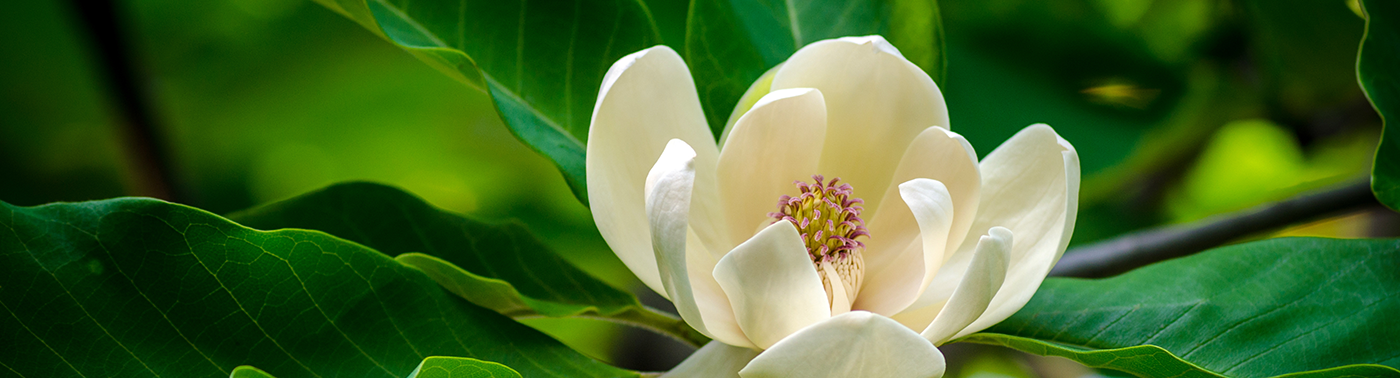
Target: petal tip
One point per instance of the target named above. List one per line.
(783, 94)
(876, 41)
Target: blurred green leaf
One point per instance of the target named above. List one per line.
(458, 367)
(1376, 67)
(1253, 161)
(543, 64)
(1258, 309)
(498, 266)
(139, 287)
(1306, 53)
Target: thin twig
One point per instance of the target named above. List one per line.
(144, 145)
(1133, 250)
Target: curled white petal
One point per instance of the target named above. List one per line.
(894, 281)
(983, 278)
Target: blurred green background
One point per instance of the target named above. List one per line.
(1180, 109)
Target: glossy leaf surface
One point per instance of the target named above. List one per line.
(1260, 309)
(138, 287)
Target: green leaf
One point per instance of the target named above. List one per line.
(498, 266)
(457, 367)
(139, 287)
(542, 62)
(1378, 70)
(1258, 309)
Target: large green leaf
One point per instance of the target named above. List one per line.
(498, 266)
(139, 287)
(1260, 309)
(542, 62)
(1378, 69)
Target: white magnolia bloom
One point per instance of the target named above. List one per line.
(917, 244)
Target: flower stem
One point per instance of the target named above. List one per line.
(1121, 254)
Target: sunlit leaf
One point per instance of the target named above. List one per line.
(1259, 309)
(1376, 67)
(138, 287)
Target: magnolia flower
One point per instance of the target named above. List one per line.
(794, 272)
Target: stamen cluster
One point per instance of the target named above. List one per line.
(827, 217)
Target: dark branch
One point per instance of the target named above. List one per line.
(144, 145)
(1133, 250)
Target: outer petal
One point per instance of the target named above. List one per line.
(894, 283)
(714, 360)
(647, 98)
(1030, 185)
(772, 285)
(776, 143)
(876, 103)
(855, 344)
(984, 277)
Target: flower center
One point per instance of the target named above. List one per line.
(828, 218)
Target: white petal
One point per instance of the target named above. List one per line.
(668, 188)
(683, 262)
(772, 285)
(983, 278)
(856, 344)
(647, 98)
(714, 360)
(894, 281)
(936, 154)
(776, 143)
(876, 103)
(1030, 185)
(1032, 189)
